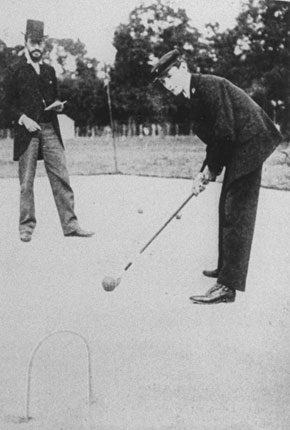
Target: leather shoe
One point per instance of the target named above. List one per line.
(219, 293)
(211, 273)
(25, 236)
(79, 232)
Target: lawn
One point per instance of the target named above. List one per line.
(174, 157)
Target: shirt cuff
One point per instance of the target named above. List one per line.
(20, 119)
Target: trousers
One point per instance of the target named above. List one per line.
(53, 153)
(237, 216)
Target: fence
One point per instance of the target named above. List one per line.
(133, 129)
(6, 133)
(123, 130)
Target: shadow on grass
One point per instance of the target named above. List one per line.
(166, 157)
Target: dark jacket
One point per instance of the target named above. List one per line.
(239, 135)
(28, 93)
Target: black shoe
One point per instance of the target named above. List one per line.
(211, 273)
(217, 294)
(79, 232)
(25, 236)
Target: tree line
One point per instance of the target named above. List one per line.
(254, 54)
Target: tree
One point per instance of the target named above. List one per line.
(63, 55)
(78, 78)
(255, 55)
(7, 57)
(151, 32)
(86, 95)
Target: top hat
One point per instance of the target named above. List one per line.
(165, 63)
(34, 29)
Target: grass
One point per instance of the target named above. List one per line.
(174, 157)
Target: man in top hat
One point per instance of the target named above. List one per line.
(31, 89)
(239, 137)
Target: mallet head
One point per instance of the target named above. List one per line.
(109, 283)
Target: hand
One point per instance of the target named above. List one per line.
(199, 183)
(29, 124)
(209, 175)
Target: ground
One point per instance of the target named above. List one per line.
(170, 157)
(158, 361)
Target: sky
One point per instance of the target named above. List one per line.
(94, 21)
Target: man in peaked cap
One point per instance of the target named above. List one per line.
(31, 87)
(239, 137)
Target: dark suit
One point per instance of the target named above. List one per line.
(27, 92)
(239, 136)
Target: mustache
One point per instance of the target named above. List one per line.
(36, 50)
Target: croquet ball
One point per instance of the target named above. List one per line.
(140, 211)
(109, 283)
(178, 216)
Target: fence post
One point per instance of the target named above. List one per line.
(112, 125)
(176, 130)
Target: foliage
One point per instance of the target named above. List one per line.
(151, 32)
(7, 56)
(254, 55)
(79, 83)
(86, 95)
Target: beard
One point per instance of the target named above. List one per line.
(35, 55)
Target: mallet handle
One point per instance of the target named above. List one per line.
(162, 228)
